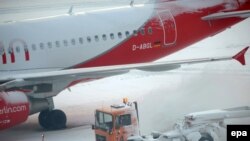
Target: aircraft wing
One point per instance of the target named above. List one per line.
(69, 75)
(223, 15)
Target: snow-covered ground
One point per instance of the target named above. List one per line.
(164, 97)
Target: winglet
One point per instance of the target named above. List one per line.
(240, 57)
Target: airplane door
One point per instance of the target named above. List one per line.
(168, 25)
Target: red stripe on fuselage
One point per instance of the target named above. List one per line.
(4, 58)
(190, 29)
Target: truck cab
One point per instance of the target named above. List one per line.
(116, 123)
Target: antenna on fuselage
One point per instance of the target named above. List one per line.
(70, 12)
(132, 3)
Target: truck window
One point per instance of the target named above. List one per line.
(104, 121)
(125, 120)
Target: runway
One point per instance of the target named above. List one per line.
(164, 97)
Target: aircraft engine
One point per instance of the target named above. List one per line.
(14, 108)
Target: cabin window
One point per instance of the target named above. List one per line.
(1, 50)
(65, 42)
(127, 33)
(150, 30)
(96, 38)
(17, 49)
(142, 31)
(135, 32)
(112, 36)
(81, 40)
(73, 41)
(57, 44)
(41, 46)
(33, 46)
(119, 35)
(25, 47)
(49, 44)
(104, 37)
(89, 39)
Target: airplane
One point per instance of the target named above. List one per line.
(41, 57)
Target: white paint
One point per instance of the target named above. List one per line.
(60, 28)
(14, 97)
(158, 93)
(12, 109)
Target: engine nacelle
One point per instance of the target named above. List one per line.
(14, 108)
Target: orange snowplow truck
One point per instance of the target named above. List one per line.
(117, 123)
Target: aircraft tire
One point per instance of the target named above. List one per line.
(52, 120)
(57, 119)
(43, 119)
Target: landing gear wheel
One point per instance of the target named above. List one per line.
(52, 120)
(43, 119)
(57, 119)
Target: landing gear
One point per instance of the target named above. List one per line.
(52, 120)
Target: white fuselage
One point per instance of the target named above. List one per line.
(64, 41)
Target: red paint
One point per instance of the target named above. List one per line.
(13, 110)
(23, 44)
(169, 26)
(4, 58)
(27, 55)
(12, 56)
(190, 29)
(240, 57)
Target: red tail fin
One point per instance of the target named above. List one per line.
(240, 57)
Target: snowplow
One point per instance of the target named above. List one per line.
(199, 126)
(121, 123)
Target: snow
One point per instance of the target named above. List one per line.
(14, 97)
(164, 97)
